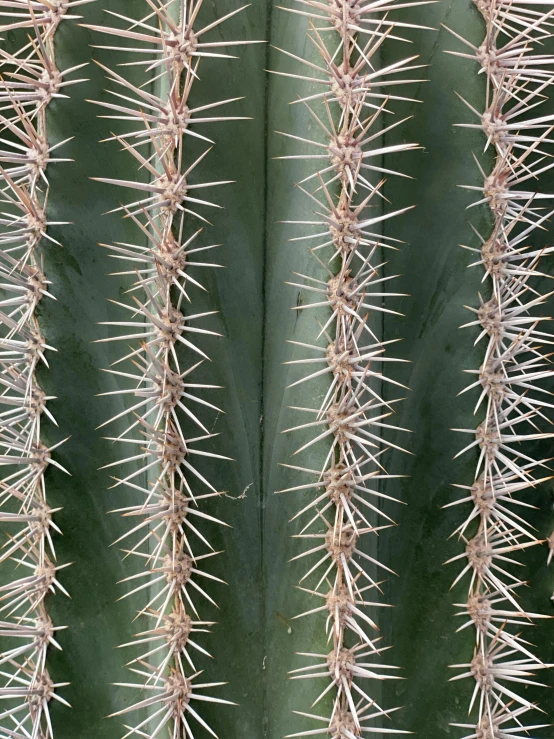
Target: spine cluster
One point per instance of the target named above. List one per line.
(351, 106)
(29, 81)
(164, 427)
(513, 401)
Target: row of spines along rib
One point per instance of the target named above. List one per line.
(166, 425)
(511, 401)
(352, 112)
(30, 81)
(351, 415)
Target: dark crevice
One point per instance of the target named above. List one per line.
(262, 370)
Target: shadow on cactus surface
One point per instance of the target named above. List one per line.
(255, 478)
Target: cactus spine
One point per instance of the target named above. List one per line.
(29, 81)
(165, 431)
(353, 99)
(515, 365)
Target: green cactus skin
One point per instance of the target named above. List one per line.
(256, 637)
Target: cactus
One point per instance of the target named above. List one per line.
(32, 81)
(351, 418)
(515, 361)
(285, 509)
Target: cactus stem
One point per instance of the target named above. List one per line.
(514, 365)
(29, 81)
(164, 423)
(351, 417)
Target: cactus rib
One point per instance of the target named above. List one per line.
(164, 423)
(515, 364)
(29, 80)
(354, 100)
